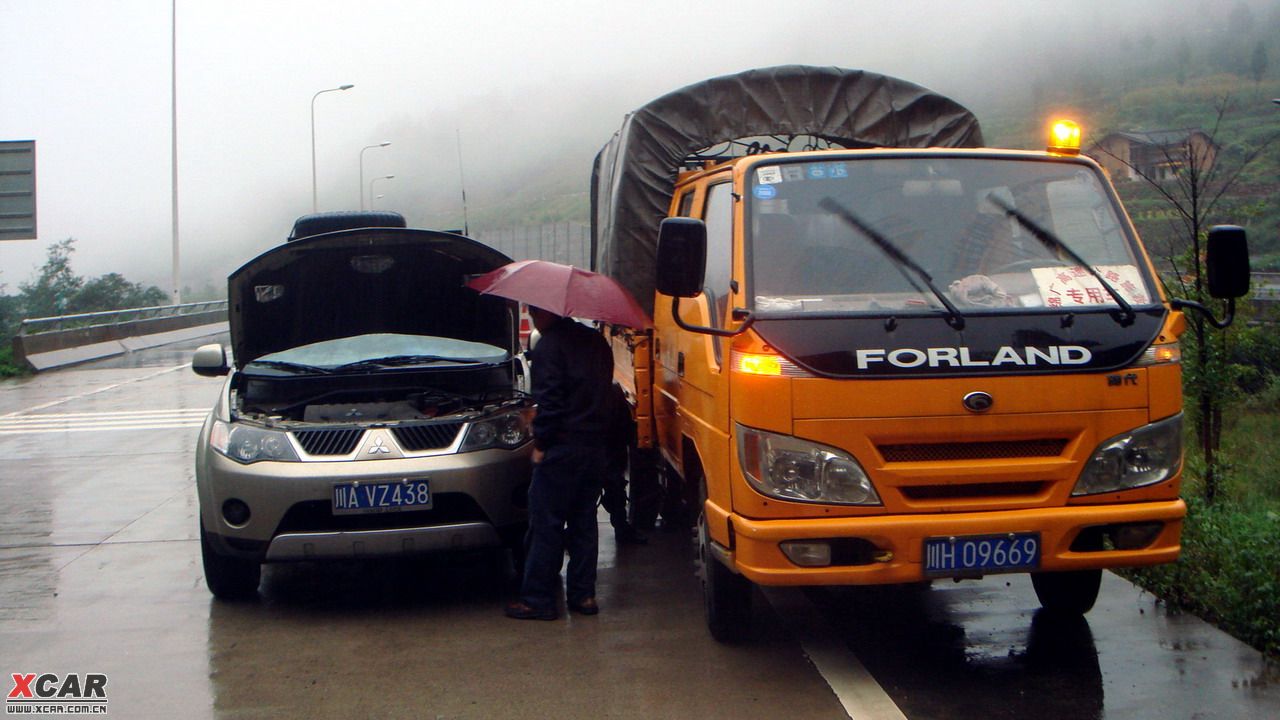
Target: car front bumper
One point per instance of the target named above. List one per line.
(479, 500)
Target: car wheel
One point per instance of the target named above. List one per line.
(1070, 593)
(228, 578)
(726, 596)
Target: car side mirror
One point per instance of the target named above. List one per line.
(682, 257)
(210, 361)
(1227, 261)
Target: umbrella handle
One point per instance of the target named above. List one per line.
(747, 322)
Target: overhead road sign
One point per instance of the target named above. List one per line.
(18, 190)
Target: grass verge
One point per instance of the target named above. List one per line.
(1229, 572)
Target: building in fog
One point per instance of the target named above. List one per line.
(1157, 154)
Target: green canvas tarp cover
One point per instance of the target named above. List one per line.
(635, 172)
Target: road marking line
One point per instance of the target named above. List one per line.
(858, 692)
(94, 392)
(103, 421)
(115, 413)
(97, 428)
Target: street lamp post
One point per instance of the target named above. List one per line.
(315, 202)
(371, 184)
(384, 143)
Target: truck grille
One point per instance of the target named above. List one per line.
(341, 441)
(976, 490)
(943, 452)
(426, 437)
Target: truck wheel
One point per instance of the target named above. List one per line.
(644, 484)
(1070, 593)
(228, 578)
(726, 596)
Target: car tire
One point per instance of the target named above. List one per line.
(1068, 593)
(228, 577)
(726, 595)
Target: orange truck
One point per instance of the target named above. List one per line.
(883, 353)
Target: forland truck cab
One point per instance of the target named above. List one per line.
(885, 354)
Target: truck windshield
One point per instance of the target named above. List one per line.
(951, 217)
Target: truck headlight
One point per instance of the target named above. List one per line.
(507, 430)
(247, 444)
(789, 468)
(1146, 456)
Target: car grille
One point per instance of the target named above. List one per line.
(942, 452)
(426, 437)
(341, 441)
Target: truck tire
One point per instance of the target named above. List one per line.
(1067, 593)
(726, 596)
(228, 577)
(644, 485)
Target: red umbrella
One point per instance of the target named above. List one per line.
(563, 290)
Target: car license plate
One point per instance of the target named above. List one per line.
(359, 497)
(980, 554)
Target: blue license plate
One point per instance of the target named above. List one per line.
(360, 497)
(981, 554)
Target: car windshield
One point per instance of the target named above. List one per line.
(381, 349)
(872, 236)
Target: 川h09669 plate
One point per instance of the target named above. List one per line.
(981, 554)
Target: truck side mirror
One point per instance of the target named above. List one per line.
(682, 256)
(1227, 261)
(210, 361)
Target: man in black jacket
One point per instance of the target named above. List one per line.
(572, 373)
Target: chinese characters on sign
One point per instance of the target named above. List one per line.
(1073, 286)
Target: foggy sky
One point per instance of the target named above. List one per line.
(521, 83)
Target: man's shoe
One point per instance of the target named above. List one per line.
(586, 607)
(520, 611)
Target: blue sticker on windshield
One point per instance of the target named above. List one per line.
(817, 172)
(838, 170)
(765, 192)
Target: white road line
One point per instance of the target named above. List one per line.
(114, 413)
(94, 391)
(102, 421)
(859, 693)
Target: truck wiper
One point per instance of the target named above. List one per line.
(895, 253)
(1053, 242)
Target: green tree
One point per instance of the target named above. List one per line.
(1182, 59)
(113, 292)
(1258, 65)
(59, 291)
(1203, 176)
(53, 290)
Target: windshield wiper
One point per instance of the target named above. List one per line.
(291, 366)
(1053, 242)
(400, 361)
(895, 253)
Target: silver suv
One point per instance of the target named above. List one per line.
(375, 407)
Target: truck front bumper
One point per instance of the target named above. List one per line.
(756, 545)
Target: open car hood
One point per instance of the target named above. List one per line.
(370, 280)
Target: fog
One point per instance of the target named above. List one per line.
(525, 93)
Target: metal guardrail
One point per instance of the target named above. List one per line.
(107, 318)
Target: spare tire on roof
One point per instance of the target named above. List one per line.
(327, 222)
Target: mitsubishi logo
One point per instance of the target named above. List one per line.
(379, 447)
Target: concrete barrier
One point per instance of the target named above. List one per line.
(59, 348)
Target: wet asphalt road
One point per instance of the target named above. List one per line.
(100, 572)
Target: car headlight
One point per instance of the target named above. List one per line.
(789, 468)
(247, 444)
(507, 430)
(1146, 456)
